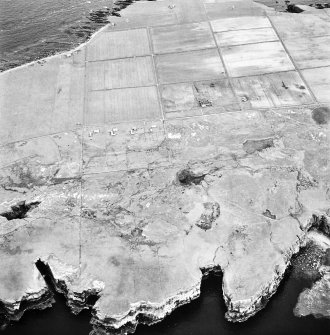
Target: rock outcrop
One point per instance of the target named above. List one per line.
(316, 300)
(133, 238)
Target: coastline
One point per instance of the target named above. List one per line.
(67, 53)
(115, 8)
(278, 6)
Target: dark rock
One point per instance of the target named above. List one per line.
(251, 146)
(268, 214)
(321, 224)
(211, 213)
(292, 8)
(188, 177)
(19, 210)
(326, 258)
(321, 115)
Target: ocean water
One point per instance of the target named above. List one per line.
(33, 29)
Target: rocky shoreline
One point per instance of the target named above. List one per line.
(145, 312)
(99, 18)
(13, 311)
(315, 299)
(240, 311)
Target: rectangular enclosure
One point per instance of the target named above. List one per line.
(246, 36)
(120, 73)
(118, 44)
(272, 90)
(122, 105)
(191, 36)
(189, 66)
(252, 59)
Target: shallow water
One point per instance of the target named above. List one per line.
(32, 29)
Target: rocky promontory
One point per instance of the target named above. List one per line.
(315, 300)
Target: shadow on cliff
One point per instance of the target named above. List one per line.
(204, 315)
(57, 320)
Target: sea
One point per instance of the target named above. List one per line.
(34, 29)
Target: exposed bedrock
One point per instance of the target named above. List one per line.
(316, 300)
(35, 296)
(320, 223)
(134, 239)
(20, 210)
(142, 249)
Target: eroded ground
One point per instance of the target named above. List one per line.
(176, 140)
